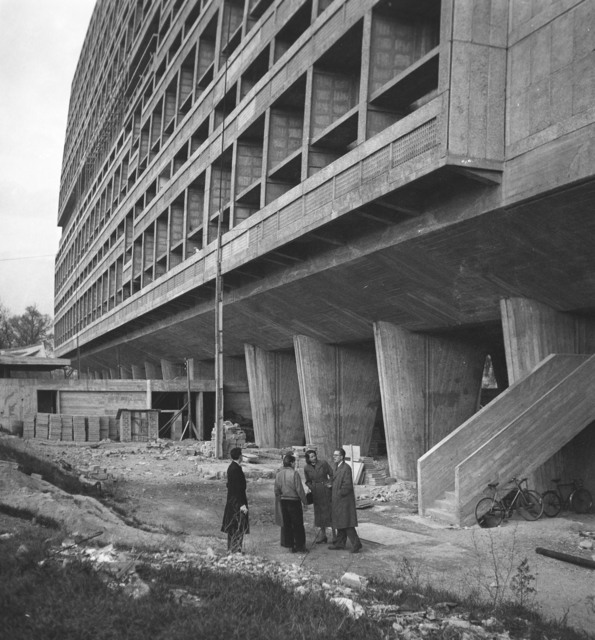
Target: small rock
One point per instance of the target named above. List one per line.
(354, 581)
(354, 609)
(137, 589)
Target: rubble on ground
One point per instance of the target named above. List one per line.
(351, 592)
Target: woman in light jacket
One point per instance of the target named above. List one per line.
(290, 491)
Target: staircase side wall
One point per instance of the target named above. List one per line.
(532, 331)
(530, 439)
(435, 468)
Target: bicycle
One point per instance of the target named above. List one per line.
(578, 498)
(490, 511)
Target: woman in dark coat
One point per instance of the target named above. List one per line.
(235, 516)
(319, 479)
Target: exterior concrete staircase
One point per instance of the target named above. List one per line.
(444, 509)
(512, 436)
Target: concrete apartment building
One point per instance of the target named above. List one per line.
(368, 198)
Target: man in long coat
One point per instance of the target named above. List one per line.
(235, 516)
(344, 515)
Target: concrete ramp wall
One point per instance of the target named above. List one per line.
(435, 469)
(530, 439)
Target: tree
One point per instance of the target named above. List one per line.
(31, 327)
(6, 332)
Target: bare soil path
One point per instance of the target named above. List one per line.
(181, 494)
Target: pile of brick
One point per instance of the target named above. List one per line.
(233, 436)
(372, 474)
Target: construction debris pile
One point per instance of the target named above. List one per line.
(409, 617)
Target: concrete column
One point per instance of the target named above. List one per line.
(125, 372)
(190, 368)
(532, 331)
(339, 393)
(153, 371)
(172, 370)
(138, 373)
(203, 369)
(429, 387)
(274, 397)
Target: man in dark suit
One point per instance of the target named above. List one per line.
(235, 516)
(344, 515)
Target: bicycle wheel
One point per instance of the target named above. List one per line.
(551, 504)
(488, 513)
(581, 501)
(530, 505)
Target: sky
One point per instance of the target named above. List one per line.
(40, 41)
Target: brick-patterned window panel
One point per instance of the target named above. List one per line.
(270, 226)
(319, 196)
(376, 164)
(347, 180)
(239, 245)
(415, 143)
(291, 214)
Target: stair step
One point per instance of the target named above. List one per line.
(445, 504)
(441, 515)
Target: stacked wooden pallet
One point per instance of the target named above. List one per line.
(29, 427)
(55, 429)
(93, 428)
(42, 422)
(79, 429)
(67, 434)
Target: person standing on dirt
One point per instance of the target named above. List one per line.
(319, 479)
(235, 516)
(290, 491)
(344, 515)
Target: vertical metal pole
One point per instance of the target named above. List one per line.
(189, 423)
(219, 277)
(78, 357)
(219, 348)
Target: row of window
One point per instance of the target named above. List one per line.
(303, 131)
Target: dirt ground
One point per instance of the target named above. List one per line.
(174, 490)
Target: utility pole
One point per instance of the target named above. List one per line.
(219, 282)
(219, 347)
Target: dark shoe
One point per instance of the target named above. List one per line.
(299, 550)
(322, 540)
(357, 548)
(334, 547)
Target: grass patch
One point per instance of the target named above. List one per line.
(71, 600)
(26, 514)
(29, 464)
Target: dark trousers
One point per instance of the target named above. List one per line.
(343, 534)
(293, 523)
